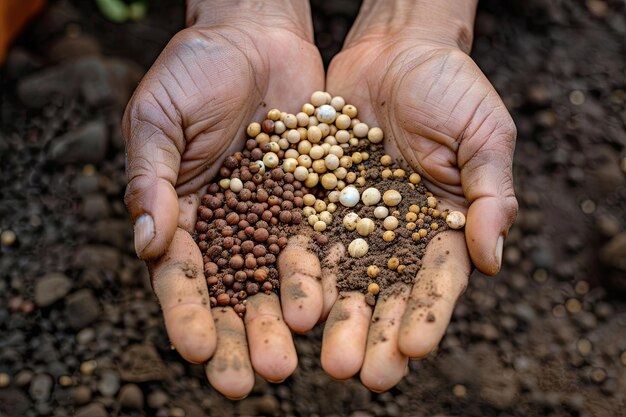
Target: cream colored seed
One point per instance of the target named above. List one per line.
(293, 136)
(319, 206)
(325, 129)
(302, 119)
(388, 236)
(300, 173)
(365, 156)
(434, 226)
(338, 102)
(314, 134)
(371, 196)
(331, 161)
(401, 268)
(329, 181)
(225, 183)
(392, 198)
(432, 202)
(316, 152)
(390, 223)
(341, 185)
(381, 212)
(253, 129)
(455, 220)
(343, 121)
(290, 165)
(342, 136)
(326, 114)
(393, 263)
(365, 227)
(411, 217)
(262, 138)
(279, 127)
(290, 121)
(319, 166)
(373, 271)
(399, 173)
(357, 158)
(309, 199)
(351, 177)
(311, 180)
(236, 185)
(336, 150)
(350, 111)
(415, 178)
(291, 153)
(304, 147)
(423, 232)
(333, 196)
(353, 142)
(326, 147)
(313, 121)
(308, 108)
(305, 161)
(274, 147)
(386, 160)
(307, 211)
(411, 226)
(373, 288)
(436, 213)
(326, 217)
(318, 98)
(360, 181)
(284, 144)
(331, 207)
(386, 174)
(350, 221)
(345, 162)
(273, 115)
(360, 130)
(333, 130)
(358, 248)
(375, 135)
(312, 219)
(349, 197)
(414, 208)
(331, 140)
(319, 226)
(341, 173)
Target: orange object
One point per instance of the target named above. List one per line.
(14, 14)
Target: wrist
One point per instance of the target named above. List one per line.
(438, 22)
(291, 15)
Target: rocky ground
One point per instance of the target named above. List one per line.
(82, 334)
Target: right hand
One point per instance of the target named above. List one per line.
(188, 113)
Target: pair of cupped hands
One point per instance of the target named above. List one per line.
(439, 113)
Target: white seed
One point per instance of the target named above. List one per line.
(392, 198)
(341, 173)
(360, 130)
(293, 136)
(332, 162)
(358, 247)
(279, 127)
(371, 196)
(350, 220)
(302, 118)
(290, 121)
(307, 211)
(390, 223)
(375, 135)
(290, 164)
(300, 173)
(318, 98)
(270, 160)
(349, 197)
(314, 134)
(338, 102)
(342, 136)
(326, 114)
(236, 185)
(320, 226)
(381, 212)
(455, 220)
(365, 226)
(336, 150)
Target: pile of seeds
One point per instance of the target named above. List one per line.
(326, 166)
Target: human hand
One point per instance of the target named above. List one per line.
(443, 117)
(190, 111)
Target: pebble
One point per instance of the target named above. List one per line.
(40, 387)
(81, 394)
(50, 288)
(87, 144)
(82, 308)
(157, 399)
(131, 397)
(92, 410)
(8, 238)
(109, 383)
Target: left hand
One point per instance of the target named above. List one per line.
(443, 117)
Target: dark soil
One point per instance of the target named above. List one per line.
(81, 331)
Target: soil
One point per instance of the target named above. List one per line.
(82, 333)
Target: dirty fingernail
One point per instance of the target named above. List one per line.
(499, 247)
(144, 233)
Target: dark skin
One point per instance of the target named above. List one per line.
(190, 111)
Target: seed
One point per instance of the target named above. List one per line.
(375, 135)
(392, 198)
(415, 178)
(312, 219)
(411, 226)
(386, 174)
(349, 110)
(253, 129)
(434, 226)
(326, 114)
(319, 226)
(381, 212)
(270, 160)
(386, 160)
(365, 226)
(316, 152)
(390, 223)
(262, 138)
(223, 299)
(401, 268)
(326, 217)
(423, 233)
(373, 288)
(357, 158)
(350, 221)
(349, 197)
(432, 202)
(225, 183)
(311, 180)
(302, 118)
(415, 236)
(319, 206)
(236, 185)
(360, 130)
(414, 208)
(358, 248)
(371, 196)
(336, 150)
(388, 236)
(373, 271)
(319, 166)
(411, 217)
(338, 103)
(455, 220)
(399, 173)
(318, 98)
(343, 122)
(300, 173)
(308, 108)
(393, 263)
(8, 238)
(279, 127)
(289, 164)
(290, 121)
(314, 134)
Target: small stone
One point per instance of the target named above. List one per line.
(82, 308)
(131, 397)
(40, 387)
(81, 394)
(87, 144)
(142, 363)
(50, 288)
(92, 410)
(109, 383)
(8, 238)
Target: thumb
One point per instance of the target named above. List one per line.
(485, 158)
(154, 144)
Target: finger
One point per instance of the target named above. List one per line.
(154, 143)
(485, 158)
(385, 365)
(345, 334)
(330, 268)
(438, 285)
(272, 351)
(230, 371)
(300, 285)
(178, 282)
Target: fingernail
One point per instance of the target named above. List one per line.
(144, 233)
(499, 247)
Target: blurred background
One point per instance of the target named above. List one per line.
(81, 333)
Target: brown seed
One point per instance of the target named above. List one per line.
(202, 226)
(250, 262)
(274, 249)
(225, 172)
(213, 301)
(211, 268)
(223, 299)
(252, 288)
(321, 239)
(296, 217)
(228, 280)
(232, 218)
(205, 213)
(236, 262)
(267, 126)
(285, 217)
(267, 286)
(260, 275)
(240, 309)
(247, 246)
(270, 259)
(259, 250)
(282, 242)
(212, 280)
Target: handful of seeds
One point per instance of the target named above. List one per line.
(321, 172)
